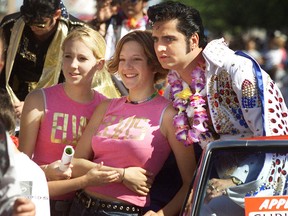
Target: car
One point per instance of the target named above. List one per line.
(256, 204)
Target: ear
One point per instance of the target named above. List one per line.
(100, 64)
(194, 41)
(57, 14)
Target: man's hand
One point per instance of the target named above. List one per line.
(105, 10)
(217, 187)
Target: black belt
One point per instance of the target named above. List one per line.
(89, 202)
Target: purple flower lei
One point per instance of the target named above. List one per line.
(191, 120)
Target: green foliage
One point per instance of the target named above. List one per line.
(236, 16)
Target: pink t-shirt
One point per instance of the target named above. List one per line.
(62, 125)
(130, 136)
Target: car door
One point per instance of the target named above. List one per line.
(263, 159)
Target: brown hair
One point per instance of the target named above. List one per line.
(7, 113)
(144, 38)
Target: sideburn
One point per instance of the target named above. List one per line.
(187, 45)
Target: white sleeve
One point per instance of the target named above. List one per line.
(9, 188)
(241, 173)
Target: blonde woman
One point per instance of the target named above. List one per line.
(56, 116)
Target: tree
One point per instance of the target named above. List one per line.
(236, 16)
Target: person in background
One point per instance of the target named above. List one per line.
(104, 11)
(218, 93)
(132, 131)
(10, 202)
(56, 116)
(34, 37)
(29, 175)
(275, 58)
(130, 16)
(251, 47)
(113, 20)
(126, 16)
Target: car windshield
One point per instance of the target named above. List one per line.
(233, 176)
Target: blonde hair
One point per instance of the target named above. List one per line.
(144, 38)
(102, 81)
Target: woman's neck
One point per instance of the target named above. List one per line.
(79, 93)
(141, 97)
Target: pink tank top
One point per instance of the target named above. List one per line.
(63, 123)
(130, 136)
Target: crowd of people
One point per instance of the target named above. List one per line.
(94, 85)
(271, 54)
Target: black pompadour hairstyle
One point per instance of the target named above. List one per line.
(189, 19)
(38, 9)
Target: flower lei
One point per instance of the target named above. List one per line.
(132, 23)
(191, 120)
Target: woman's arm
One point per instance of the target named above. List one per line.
(84, 146)
(135, 178)
(81, 164)
(30, 124)
(186, 162)
(31, 117)
(94, 177)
